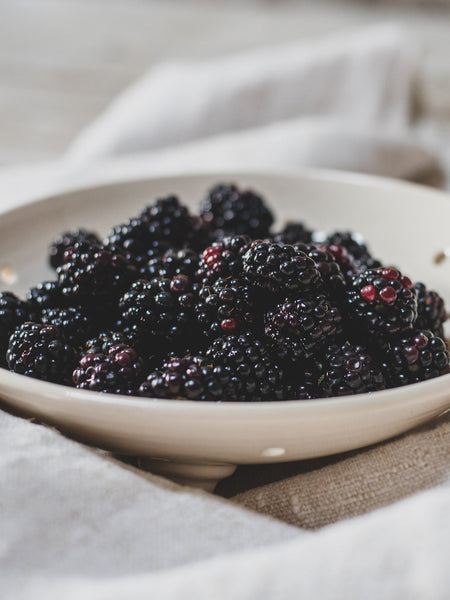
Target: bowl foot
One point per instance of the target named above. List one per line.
(200, 475)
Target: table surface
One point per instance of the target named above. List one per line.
(61, 62)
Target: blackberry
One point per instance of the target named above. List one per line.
(223, 259)
(412, 356)
(74, 323)
(302, 379)
(230, 211)
(293, 233)
(299, 329)
(91, 275)
(158, 312)
(431, 310)
(227, 307)
(47, 294)
(67, 240)
(382, 301)
(173, 262)
(281, 270)
(119, 371)
(251, 367)
(328, 267)
(346, 263)
(40, 351)
(350, 369)
(352, 242)
(13, 312)
(102, 343)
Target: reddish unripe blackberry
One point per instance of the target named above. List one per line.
(227, 307)
(67, 240)
(350, 369)
(190, 377)
(223, 259)
(75, 324)
(299, 329)
(413, 355)
(120, 371)
(173, 262)
(47, 294)
(13, 312)
(230, 211)
(333, 278)
(40, 351)
(281, 270)
(382, 301)
(254, 371)
(91, 275)
(293, 233)
(431, 310)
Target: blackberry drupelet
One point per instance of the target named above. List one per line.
(431, 310)
(119, 371)
(67, 240)
(13, 312)
(105, 340)
(281, 270)
(41, 351)
(227, 307)
(230, 211)
(75, 324)
(333, 278)
(254, 372)
(350, 369)
(47, 294)
(293, 233)
(381, 301)
(223, 259)
(412, 356)
(91, 275)
(171, 263)
(300, 329)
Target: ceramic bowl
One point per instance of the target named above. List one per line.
(200, 443)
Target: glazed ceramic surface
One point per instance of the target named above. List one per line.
(200, 443)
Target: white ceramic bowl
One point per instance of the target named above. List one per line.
(200, 443)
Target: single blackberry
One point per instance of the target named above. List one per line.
(117, 372)
(190, 377)
(13, 312)
(431, 310)
(75, 324)
(67, 240)
(251, 367)
(41, 351)
(171, 263)
(104, 341)
(91, 275)
(281, 270)
(333, 278)
(227, 307)
(158, 312)
(352, 242)
(223, 259)
(413, 355)
(299, 329)
(350, 369)
(382, 301)
(230, 211)
(47, 294)
(293, 233)
(346, 263)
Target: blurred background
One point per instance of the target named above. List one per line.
(62, 61)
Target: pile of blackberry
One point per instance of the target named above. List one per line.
(220, 306)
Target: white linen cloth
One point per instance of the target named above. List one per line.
(75, 524)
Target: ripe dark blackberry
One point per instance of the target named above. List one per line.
(105, 340)
(227, 307)
(67, 240)
(431, 310)
(91, 275)
(47, 294)
(293, 233)
(350, 369)
(413, 355)
(223, 259)
(230, 211)
(352, 242)
(333, 278)
(117, 372)
(281, 270)
(252, 368)
(41, 351)
(75, 324)
(171, 263)
(158, 312)
(381, 301)
(13, 312)
(299, 329)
